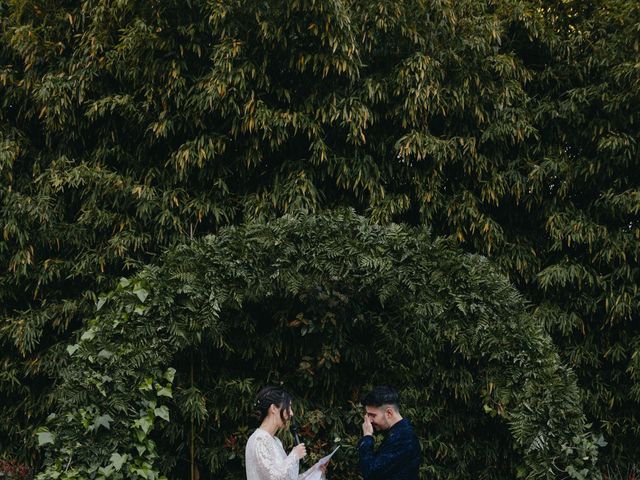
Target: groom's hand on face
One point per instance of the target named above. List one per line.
(367, 428)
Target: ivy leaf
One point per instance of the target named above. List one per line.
(88, 334)
(103, 421)
(71, 349)
(105, 472)
(146, 385)
(44, 438)
(118, 460)
(144, 423)
(101, 302)
(170, 374)
(165, 392)
(141, 293)
(162, 412)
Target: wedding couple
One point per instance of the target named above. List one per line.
(397, 458)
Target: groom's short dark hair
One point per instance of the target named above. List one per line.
(381, 395)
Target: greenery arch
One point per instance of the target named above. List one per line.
(328, 304)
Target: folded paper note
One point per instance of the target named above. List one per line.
(314, 473)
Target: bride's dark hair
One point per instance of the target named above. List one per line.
(271, 395)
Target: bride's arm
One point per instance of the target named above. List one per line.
(271, 466)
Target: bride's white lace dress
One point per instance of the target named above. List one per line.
(266, 459)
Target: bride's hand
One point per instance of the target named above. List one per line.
(300, 451)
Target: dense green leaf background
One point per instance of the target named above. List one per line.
(127, 127)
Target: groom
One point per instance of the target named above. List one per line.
(398, 457)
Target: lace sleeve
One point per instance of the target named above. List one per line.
(271, 466)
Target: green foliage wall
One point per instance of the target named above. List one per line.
(127, 127)
(328, 305)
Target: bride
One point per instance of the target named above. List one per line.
(264, 455)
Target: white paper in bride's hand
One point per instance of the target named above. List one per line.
(326, 459)
(314, 472)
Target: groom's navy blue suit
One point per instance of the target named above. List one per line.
(397, 458)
